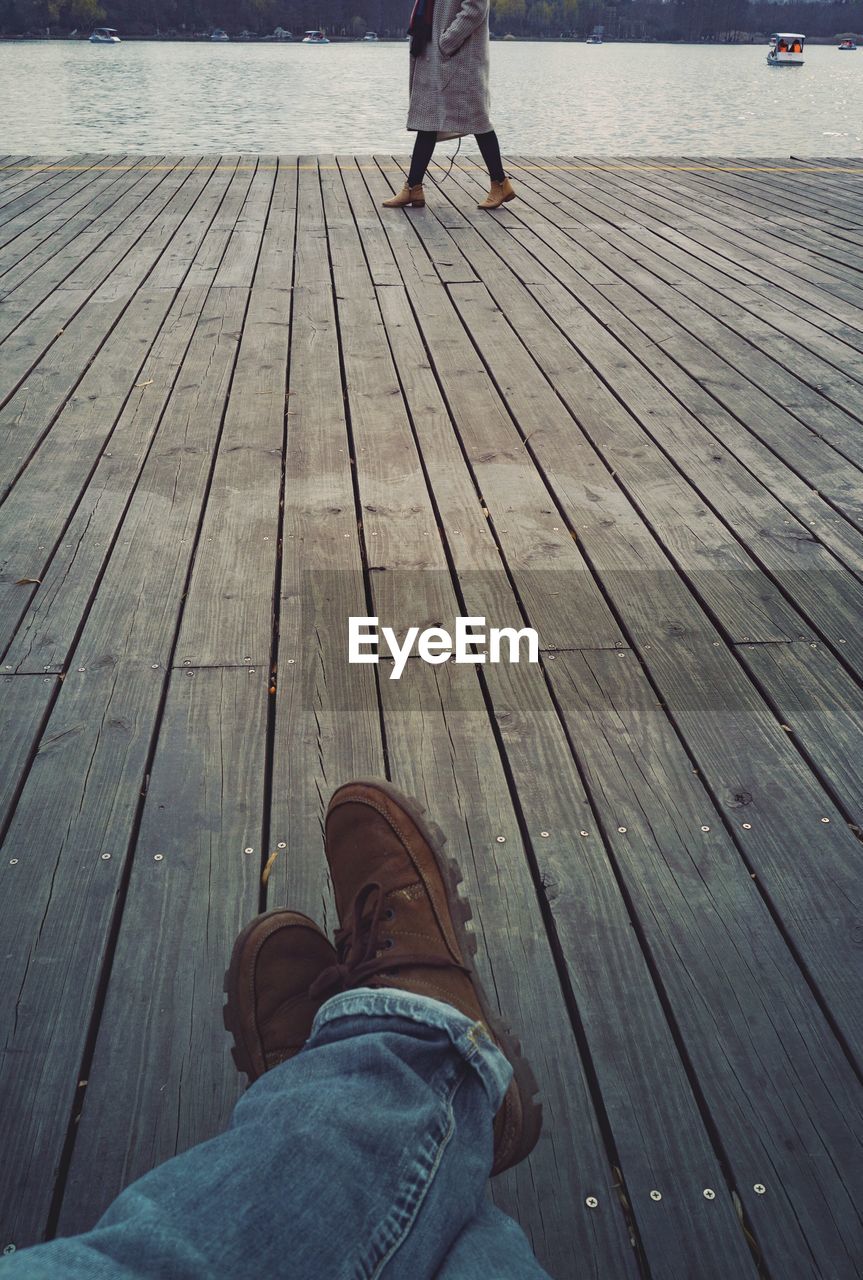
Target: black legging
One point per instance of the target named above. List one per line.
(425, 144)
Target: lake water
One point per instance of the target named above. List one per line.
(616, 99)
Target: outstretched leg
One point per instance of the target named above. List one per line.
(365, 1154)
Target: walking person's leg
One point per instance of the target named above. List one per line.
(366, 1153)
(490, 151)
(501, 188)
(412, 191)
(424, 145)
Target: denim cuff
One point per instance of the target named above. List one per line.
(470, 1039)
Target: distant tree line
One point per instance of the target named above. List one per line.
(715, 20)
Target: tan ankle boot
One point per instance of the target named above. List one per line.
(499, 192)
(407, 195)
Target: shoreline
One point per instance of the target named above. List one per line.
(755, 39)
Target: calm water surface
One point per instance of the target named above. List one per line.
(68, 96)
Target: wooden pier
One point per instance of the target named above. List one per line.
(241, 402)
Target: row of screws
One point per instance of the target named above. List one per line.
(157, 857)
(708, 1193)
(591, 1202)
(747, 826)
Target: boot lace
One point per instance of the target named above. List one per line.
(358, 944)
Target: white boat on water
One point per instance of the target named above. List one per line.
(786, 49)
(847, 46)
(104, 35)
(371, 37)
(314, 37)
(220, 36)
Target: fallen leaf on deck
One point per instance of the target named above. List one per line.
(148, 383)
(23, 582)
(265, 874)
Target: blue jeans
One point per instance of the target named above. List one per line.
(364, 1156)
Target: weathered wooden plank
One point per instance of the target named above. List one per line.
(21, 178)
(759, 316)
(228, 618)
(188, 252)
(822, 707)
(147, 572)
(819, 396)
(603, 441)
(327, 726)
(79, 468)
(58, 227)
(527, 526)
(30, 413)
(826, 596)
(787, 549)
(821, 203)
(782, 1097)
(646, 205)
(70, 834)
(209, 259)
(31, 209)
(735, 411)
(98, 741)
(24, 704)
(729, 222)
(403, 592)
(115, 262)
(732, 231)
(237, 267)
(781, 196)
(789, 304)
(46, 293)
(161, 1077)
(733, 735)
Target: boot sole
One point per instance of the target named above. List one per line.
(460, 910)
(230, 1015)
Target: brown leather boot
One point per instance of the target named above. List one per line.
(500, 191)
(269, 1011)
(403, 926)
(407, 195)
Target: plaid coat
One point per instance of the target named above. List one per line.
(449, 81)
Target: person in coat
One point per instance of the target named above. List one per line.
(449, 98)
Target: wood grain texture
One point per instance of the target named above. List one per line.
(161, 1078)
(413, 583)
(24, 704)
